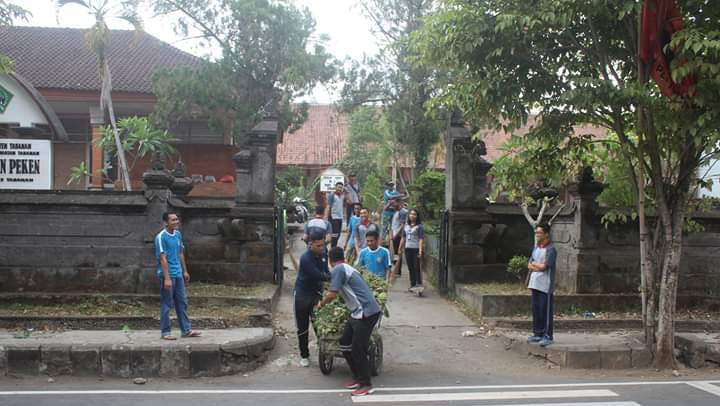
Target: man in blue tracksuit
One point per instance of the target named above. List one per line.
(172, 272)
(541, 284)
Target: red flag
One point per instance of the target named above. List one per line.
(660, 19)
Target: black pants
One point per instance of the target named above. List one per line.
(304, 305)
(542, 311)
(396, 251)
(354, 344)
(412, 255)
(336, 225)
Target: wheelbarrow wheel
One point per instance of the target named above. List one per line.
(375, 356)
(325, 359)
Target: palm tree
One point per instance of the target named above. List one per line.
(98, 39)
(8, 13)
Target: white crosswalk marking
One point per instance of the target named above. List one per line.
(707, 387)
(438, 397)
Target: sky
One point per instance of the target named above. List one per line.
(349, 32)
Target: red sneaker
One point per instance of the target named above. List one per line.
(352, 385)
(362, 391)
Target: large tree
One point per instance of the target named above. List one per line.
(8, 14)
(391, 82)
(577, 62)
(98, 39)
(267, 53)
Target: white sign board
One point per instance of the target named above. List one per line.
(329, 178)
(25, 164)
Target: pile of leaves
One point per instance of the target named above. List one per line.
(330, 319)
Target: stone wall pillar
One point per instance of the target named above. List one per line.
(158, 181)
(466, 193)
(579, 261)
(249, 230)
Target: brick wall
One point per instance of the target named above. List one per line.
(66, 156)
(200, 159)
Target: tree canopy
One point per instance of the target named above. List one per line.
(8, 14)
(268, 53)
(390, 82)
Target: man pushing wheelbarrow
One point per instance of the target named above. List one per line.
(364, 315)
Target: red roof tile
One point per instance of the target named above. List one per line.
(319, 142)
(59, 58)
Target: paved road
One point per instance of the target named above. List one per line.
(629, 393)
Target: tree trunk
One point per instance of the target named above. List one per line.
(124, 172)
(665, 334)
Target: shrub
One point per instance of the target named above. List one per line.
(428, 193)
(518, 267)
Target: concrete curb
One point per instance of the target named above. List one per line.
(590, 356)
(142, 354)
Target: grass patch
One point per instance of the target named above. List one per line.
(103, 307)
(499, 288)
(217, 289)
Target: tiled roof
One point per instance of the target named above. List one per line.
(319, 142)
(59, 58)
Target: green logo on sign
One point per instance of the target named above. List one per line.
(5, 97)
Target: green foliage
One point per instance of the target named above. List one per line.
(428, 194)
(369, 146)
(138, 138)
(372, 194)
(8, 14)
(269, 56)
(78, 173)
(330, 319)
(390, 83)
(518, 267)
(290, 184)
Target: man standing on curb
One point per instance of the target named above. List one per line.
(335, 210)
(173, 274)
(541, 284)
(364, 314)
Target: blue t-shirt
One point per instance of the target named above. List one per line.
(172, 246)
(354, 221)
(377, 262)
(358, 296)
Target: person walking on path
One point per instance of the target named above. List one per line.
(413, 242)
(398, 223)
(352, 196)
(375, 258)
(541, 284)
(335, 210)
(388, 211)
(364, 225)
(313, 271)
(364, 314)
(172, 272)
(318, 225)
(349, 247)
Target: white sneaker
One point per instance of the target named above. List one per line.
(305, 362)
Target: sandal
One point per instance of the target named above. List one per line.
(169, 338)
(192, 333)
